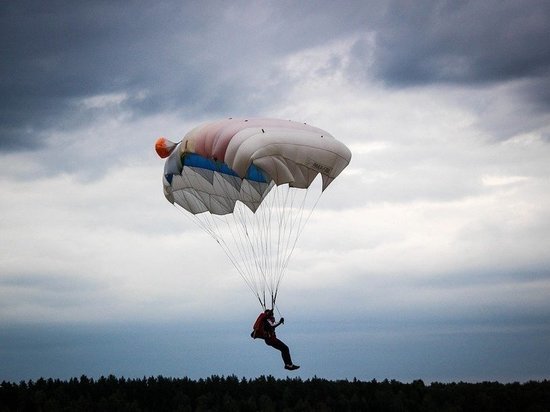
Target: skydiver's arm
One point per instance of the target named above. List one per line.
(275, 324)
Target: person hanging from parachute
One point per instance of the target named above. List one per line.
(264, 328)
(246, 182)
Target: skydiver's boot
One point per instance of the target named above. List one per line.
(291, 367)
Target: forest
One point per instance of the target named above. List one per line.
(266, 393)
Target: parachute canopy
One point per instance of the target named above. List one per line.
(260, 164)
(250, 155)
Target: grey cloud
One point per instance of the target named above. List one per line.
(525, 275)
(218, 59)
(41, 292)
(167, 56)
(59, 52)
(464, 43)
(54, 283)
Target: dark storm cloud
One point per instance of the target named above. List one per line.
(58, 52)
(210, 57)
(199, 58)
(214, 58)
(464, 42)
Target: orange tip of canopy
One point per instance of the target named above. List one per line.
(164, 147)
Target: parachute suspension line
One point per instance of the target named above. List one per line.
(280, 221)
(211, 224)
(242, 232)
(210, 227)
(279, 202)
(246, 235)
(285, 226)
(258, 244)
(275, 307)
(247, 232)
(297, 225)
(265, 240)
(240, 264)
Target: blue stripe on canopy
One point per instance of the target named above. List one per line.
(195, 160)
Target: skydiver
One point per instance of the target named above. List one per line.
(264, 328)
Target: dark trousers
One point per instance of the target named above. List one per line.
(279, 345)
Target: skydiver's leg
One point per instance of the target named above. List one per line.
(279, 345)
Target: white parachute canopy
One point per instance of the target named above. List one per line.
(249, 183)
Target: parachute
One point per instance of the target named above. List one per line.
(246, 183)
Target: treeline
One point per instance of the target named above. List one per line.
(268, 394)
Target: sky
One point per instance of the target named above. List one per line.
(427, 258)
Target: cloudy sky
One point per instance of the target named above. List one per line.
(426, 259)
